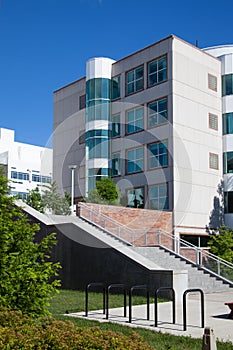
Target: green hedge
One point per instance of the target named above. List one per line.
(18, 331)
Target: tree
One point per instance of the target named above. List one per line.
(26, 274)
(221, 244)
(34, 199)
(54, 201)
(107, 190)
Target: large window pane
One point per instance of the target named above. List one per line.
(158, 197)
(227, 123)
(227, 84)
(157, 113)
(135, 160)
(134, 80)
(116, 164)
(157, 71)
(158, 155)
(116, 93)
(228, 162)
(135, 198)
(228, 202)
(134, 120)
(116, 129)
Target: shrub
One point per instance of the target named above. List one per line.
(18, 331)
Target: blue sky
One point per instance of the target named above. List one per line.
(44, 45)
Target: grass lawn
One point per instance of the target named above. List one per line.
(74, 301)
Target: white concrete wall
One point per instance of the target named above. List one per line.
(195, 184)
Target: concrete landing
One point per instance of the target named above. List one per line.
(216, 314)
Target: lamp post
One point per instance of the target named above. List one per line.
(72, 168)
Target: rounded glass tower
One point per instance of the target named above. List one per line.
(98, 104)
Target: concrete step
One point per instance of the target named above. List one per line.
(197, 278)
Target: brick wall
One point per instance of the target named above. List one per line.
(138, 220)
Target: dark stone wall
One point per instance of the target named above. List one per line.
(85, 259)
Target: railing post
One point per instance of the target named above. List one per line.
(176, 245)
(159, 236)
(219, 272)
(145, 238)
(119, 231)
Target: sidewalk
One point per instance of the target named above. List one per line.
(216, 314)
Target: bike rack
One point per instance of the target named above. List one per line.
(138, 287)
(87, 291)
(173, 304)
(111, 286)
(185, 308)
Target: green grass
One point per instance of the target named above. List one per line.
(74, 301)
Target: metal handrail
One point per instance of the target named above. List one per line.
(202, 257)
(121, 228)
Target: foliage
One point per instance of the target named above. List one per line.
(21, 332)
(107, 189)
(221, 244)
(34, 199)
(53, 200)
(25, 271)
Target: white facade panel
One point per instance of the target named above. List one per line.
(100, 67)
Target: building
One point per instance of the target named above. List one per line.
(26, 166)
(151, 121)
(225, 54)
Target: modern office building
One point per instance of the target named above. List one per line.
(225, 54)
(26, 166)
(151, 121)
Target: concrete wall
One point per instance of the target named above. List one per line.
(195, 183)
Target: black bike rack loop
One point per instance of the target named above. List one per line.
(173, 304)
(95, 284)
(185, 308)
(111, 286)
(138, 287)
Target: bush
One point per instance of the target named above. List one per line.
(18, 331)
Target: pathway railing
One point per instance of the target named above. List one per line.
(201, 257)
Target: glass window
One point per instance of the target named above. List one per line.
(227, 84)
(82, 101)
(97, 110)
(135, 160)
(158, 155)
(134, 80)
(35, 178)
(135, 198)
(157, 112)
(158, 197)
(212, 82)
(213, 161)
(134, 120)
(198, 241)
(116, 126)
(227, 123)
(116, 90)
(213, 121)
(116, 164)
(228, 202)
(19, 175)
(228, 162)
(157, 71)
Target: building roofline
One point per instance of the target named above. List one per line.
(72, 83)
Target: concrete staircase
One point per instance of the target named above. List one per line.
(197, 277)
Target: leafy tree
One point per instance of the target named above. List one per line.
(54, 201)
(34, 199)
(221, 244)
(26, 274)
(107, 189)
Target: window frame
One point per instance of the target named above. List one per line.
(148, 155)
(119, 159)
(116, 98)
(133, 189)
(134, 81)
(127, 160)
(114, 116)
(126, 120)
(148, 108)
(167, 200)
(147, 75)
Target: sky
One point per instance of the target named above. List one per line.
(44, 45)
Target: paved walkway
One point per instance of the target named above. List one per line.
(215, 314)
